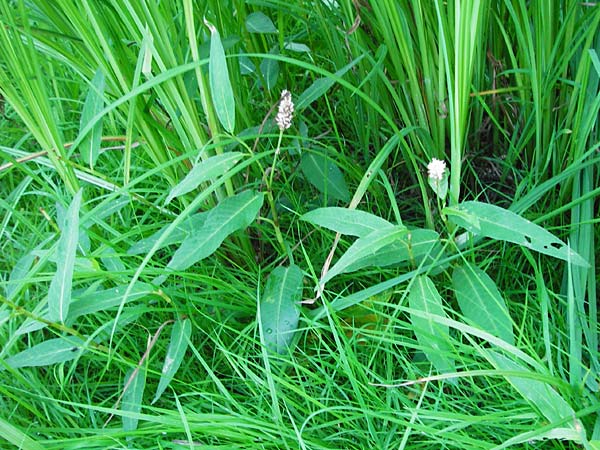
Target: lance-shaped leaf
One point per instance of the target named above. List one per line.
(52, 351)
(481, 302)
(206, 170)
(325, 175)
(499, 223)
(59, 293)
(258, 22)
(89, 148)
(134, 385)
(180, 336)
(279, 307)
(232, 214)
(352, 222)
(220, 84)
(541, 395)
(433, 337)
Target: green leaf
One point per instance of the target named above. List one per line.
(16, 437)
(220, 83)
(372, 250)
(258, 22)
(206, 170)
(481, 302)
(132, 398)
(59, 293)
(89, 148)
(325, 175)
(346, 221)
(52, 351)
(180, 335)
(232, 214)
(279, 312)
(269, 68)
(433, 337)
(181, 232)
(322, 85)
(547, 401)
(504, 225)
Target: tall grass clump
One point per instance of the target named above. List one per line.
(313, 224)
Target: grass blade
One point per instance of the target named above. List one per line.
(59, 294)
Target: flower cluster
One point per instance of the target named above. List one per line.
(286, 111)
(436, 169)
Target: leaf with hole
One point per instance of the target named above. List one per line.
(325, 175)
(207, 170)
(232, 214)
(258, 22)
(481, 302)
(279, 311)
(180, 335)
(49, 352)
(220, 83)
(59, 293)
(347, 221)
(432, 336)
(504, 225)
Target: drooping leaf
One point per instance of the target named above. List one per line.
(258, 22)
(352, 222)
(546, 400)
(59, 293)
(52, 351)
(232, 214)
(178, 344)
(206, 170)
(132, 398)
(181, 232)
(322, 85)
(279, 311)
(433, 337)
(220, 83)
(89, 148)
(325, 175)
(481, 302)
(504, 225)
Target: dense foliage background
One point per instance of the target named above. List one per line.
(178, 271)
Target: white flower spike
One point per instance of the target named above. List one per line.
(436, 169)
(286, 111)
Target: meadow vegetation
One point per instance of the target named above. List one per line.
(310, 224)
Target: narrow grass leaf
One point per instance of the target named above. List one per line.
(325, 175)
(546, 400)
(59, 293)
(347, 221)
(220, 83)
(258, 22)
(180, 335)
(132, 398)
(322, 85)
(363, 252)
(206, 170)
(181, 232)
(49, 352)
(279, 311)
(16, 437)
(499, 223)
(89, 148)
(232, 214)
(481, 302)
(433, 337)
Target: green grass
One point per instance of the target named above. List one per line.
(117, 102)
